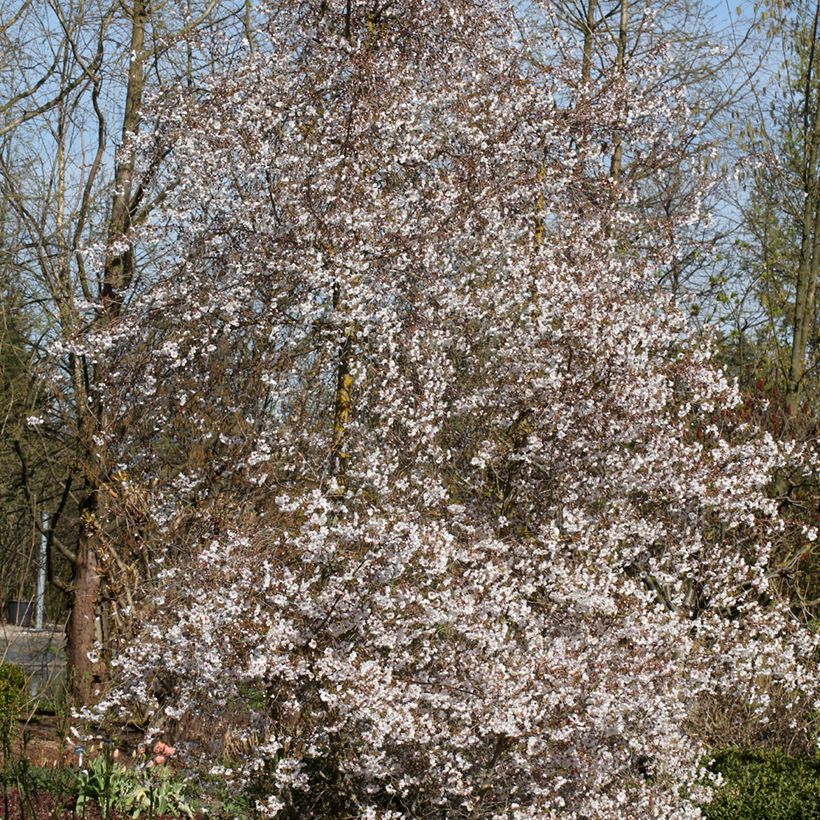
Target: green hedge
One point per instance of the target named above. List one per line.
(12, 700)
(765, 785)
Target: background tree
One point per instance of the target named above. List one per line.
(68, 182)
(771, 344)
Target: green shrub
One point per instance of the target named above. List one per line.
(12, 701)
(30, 780)
(57, 781)
(765, 785)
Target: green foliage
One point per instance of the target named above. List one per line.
(100, 782)
(222, 799)
(765, 785)
(144, 792)
(253, 697)
(12, 701)
(31, 780)
(153, 791)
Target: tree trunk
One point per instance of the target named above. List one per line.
(84, 667)
(805, 290)
(85, 670)
(804, 302)
(589, 31)
(341, 407)
(620, 65)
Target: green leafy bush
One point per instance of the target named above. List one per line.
(765, 785)
(12, 701)
(57, 781)
(31, 780)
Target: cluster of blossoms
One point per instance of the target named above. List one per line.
(476, 521)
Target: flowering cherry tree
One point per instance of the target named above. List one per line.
(472, 514)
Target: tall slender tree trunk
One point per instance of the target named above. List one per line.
(620, 67)
(342, 406)
(586, 73)
(589, 36)
(342, 400)
(807, 270)
(85, 669)
(341, 415)
(804, 302)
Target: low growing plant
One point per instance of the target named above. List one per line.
(100, 782)
(152, 791)
(219, 798)
(149, 790)
(765, 785)
(12, 701)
